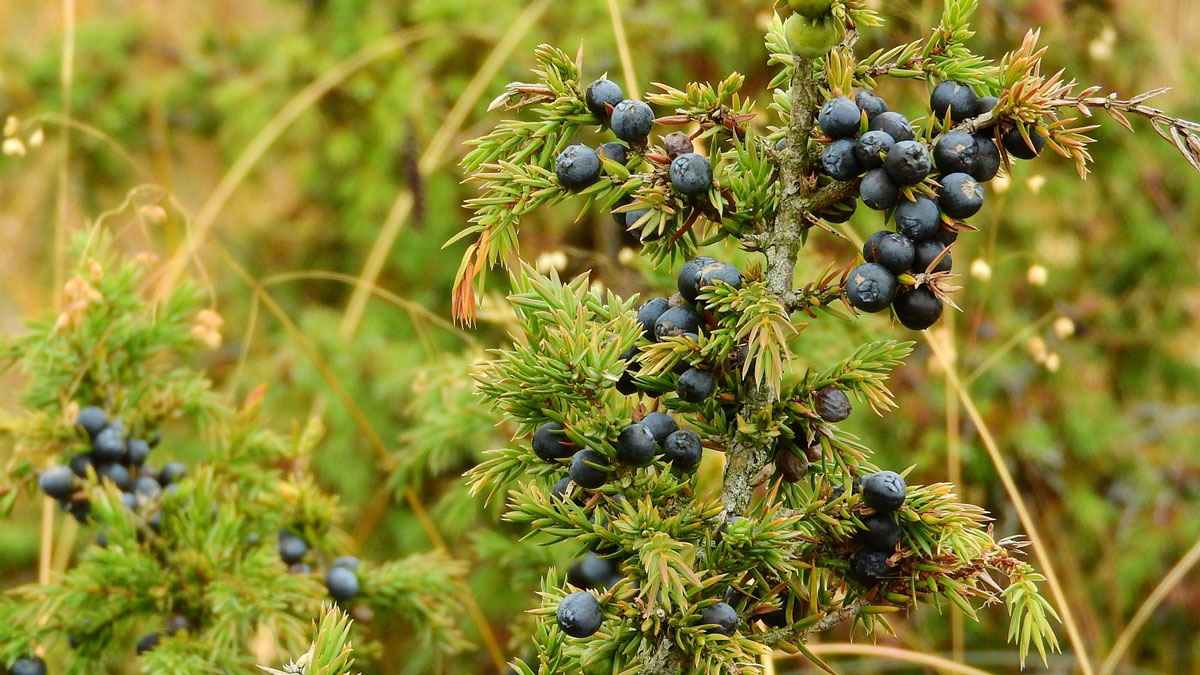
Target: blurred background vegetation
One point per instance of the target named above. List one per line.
(319, 140)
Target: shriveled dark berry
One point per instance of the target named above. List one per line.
(676, 321)
(833, 405)
(616, 151)
(577, 167)
(695, 385)
(601, 94)
(790, 466)
(92, 420)
(918, 308)
(584, 469)
(893, 251)
(683, 449)
(348, 561)
(985, 104)
(884, 491)
(839, 118)
(953, 97)
(57, 482)
(893, 124)
(689, 276)
(109, 445)
(148, 642)
(691, 174)
(635, 445)
(648, 314)
(1016, 146)
(908, 162)
(870, 148)
(871, 287)
(927, 252)
(578, 615)
(661, 425)
(988, 161)
(882, 533)
(960, 195)
(956, 152)
(342, 583)
(171, 472)
(870, 104)
(632, 121)
(722, 617)
(919, 219)
(839, 159)
(136, 451)
(869, 567)
(292, 549)
(878, 190)
(677, 143)
(550, 443)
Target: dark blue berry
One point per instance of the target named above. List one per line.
(292, 549)
(871, 287)
(632, 121)
(616, 151)
(559, 489)
(722, 617)
(893, 124)
(953, 97)
(92, 420)
(550, 443)
(720, 272)
(927, 252)
(881, 533)
(57, 482)
(985, 104)
(919, 219)
(956, 152)
(870, 104)
(577, 167)
(80, 510)
(348, 561)
(691, 174)
(130, 500)
(591, 571)
(893, 251)
(118, 474)
(917, 309)
(601, 94)
(884, 491)
(870, 148)
(661, 425)
(1016, 146)
(584, 469)
(840, 161)
(987, 161)
(147, 643)
(635, 445)
(870, 567)
(908, 162)
(147, 487)
(136, 451)
(689, 276)
(29, 665)
(648, 314)
(960, 195)
(839, 118)
(109, 445)
(578, 614)
(695, 385)
(342, 583)
(677, 143)
(171, 472)
(878, 190)
(683, 449)
(643, 233)
(677, 321)
(80, 463)
(833, 405)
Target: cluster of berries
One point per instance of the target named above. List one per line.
(114, 458)
(341, 580)
(895, 168)
(682, 315)
(578, 166)
(885, 492)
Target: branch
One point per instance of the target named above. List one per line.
(830, 620)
